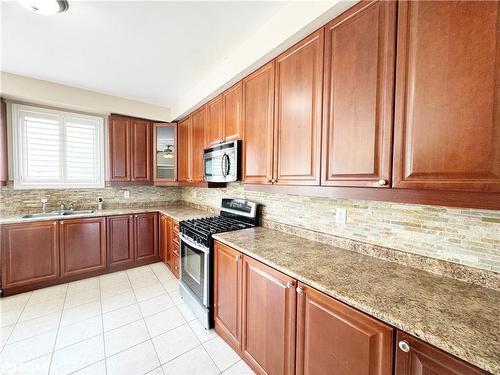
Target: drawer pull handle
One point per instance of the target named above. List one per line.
(289, 285)
(404, 346)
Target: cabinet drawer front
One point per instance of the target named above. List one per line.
(175, 249)
(30, 253)
(175, 226)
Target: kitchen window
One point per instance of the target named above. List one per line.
(56, 149)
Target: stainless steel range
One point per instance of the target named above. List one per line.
(196, 252)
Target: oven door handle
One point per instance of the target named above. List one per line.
(193, 244)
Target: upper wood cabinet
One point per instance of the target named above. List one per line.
(447, 117)
(83, 245)
(214, 130)
(358, 96)
(120, 240)
(30, 253)
(268, 319)
(184, 159)
(227, 294)
(165, 153)
(129, 149)
(232, 112)
(420, 358)
(4, 176)
(298, 101)
(258, 125)
(198, 124)
(335, 338)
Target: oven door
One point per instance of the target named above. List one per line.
(194, 268)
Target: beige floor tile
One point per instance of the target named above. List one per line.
(150, 291)
(77, 356)
(221, 353)
(17, 301)
(26, 350)
(186, 312)
(240, 368)
(164, 321)
(195, 361)
(98, 368)
(171, 285)
(121, 317)
(79, 313)
(47, 294)
(38, 366)
(5, 333)
(137, 360)
(156, 304)
(200, 331)
(41, 308)
(118, 301)
(174, 343)
(157, 371)
(176, 297)
(10, 316)
(80, 331)
(34, 327)
(125, 337)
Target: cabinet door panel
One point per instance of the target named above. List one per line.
(214, 122)
(165, 153)
(141, 150)
(146, 236)
(424, 359)
(83, 245)
(332, 335)
(169, 244)
(184, 168)
(119, 148)
(447, 118)
(120, 240)
(227, 297)
(299, 86)
(30, 253)
(358, 96)
(268, 321)
(198, 144)
(232, 99)
(258, 125)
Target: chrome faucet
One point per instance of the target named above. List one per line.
(71, 206)
(44, 201)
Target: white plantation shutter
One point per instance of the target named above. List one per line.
(57, 149)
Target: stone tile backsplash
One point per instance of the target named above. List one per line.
(466, 236)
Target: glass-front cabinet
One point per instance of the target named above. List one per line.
(165, 154)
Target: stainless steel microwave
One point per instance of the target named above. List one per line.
(221, 162)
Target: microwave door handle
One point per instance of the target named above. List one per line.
(228, 164)
(222, 166)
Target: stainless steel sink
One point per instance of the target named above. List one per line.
(57, 213)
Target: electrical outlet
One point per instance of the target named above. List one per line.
(341, 216)
(126, 194)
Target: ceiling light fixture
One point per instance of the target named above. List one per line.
(45, 7)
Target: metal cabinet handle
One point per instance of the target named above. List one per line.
(404, 346)
(382, 182)
(289, 285)
(299, 290)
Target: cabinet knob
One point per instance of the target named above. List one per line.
(299, 290)
(128, 178)
(54, 223)
(404, 346)
(269, 181)
(274, 180)
(289, 285)
(131, 216)
(382, 182)
(238, 257)
(62, 222)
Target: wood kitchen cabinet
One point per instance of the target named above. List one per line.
(169, 243)
(120, 239)
(358, 96)
(163, 238)
(214, 129)
(30, 253)
(227, 294)
(335, 338)
(165, 153)
(146, 236)
(415, 357)
(174, 246)
(447, 118)
(198, 125)
(184, 159)
(268, 319)
(82, 245)
(129, 149)
(258, 125)
(4, 176)
(298, 103)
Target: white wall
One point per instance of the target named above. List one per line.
(34, 91)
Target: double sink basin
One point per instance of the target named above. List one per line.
(57, 214)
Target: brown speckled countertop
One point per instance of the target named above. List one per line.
(460, 318)
(176, 212)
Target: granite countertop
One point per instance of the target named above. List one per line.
(460, 318)
(176, 212)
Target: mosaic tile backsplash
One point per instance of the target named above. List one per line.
(466, 236)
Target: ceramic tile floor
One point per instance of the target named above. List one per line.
(130, 322)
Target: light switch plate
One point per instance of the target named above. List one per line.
(341, 216)
(126, 194)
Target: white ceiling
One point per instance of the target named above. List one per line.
(152, 52)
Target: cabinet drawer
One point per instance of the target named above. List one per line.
(175, 249)
(175, 226)
(175, 239)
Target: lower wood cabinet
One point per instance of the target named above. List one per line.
(120, 240)
(227, 294)
(335, 338)
(30, 253)
(268, 319)
(163, 238)
(83, 245)
(146, 236)
(415, 357)
(169, 243)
